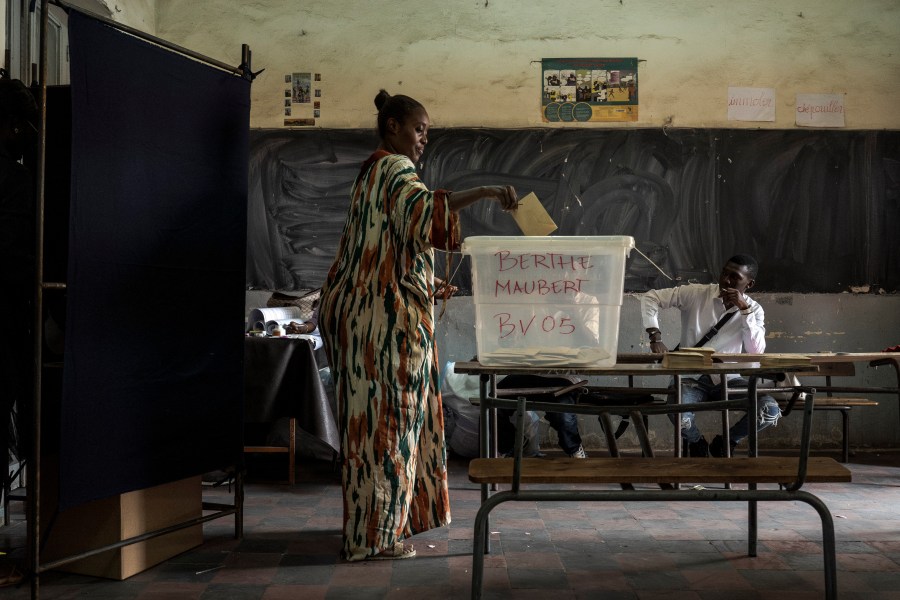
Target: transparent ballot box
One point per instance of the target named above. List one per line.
(547, 301)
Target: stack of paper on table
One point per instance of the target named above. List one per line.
(688, 357)
(774, 360)
(545, 356)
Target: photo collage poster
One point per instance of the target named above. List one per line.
(302, 99)
(589, 89)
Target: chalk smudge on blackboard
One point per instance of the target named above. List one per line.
(819, 209)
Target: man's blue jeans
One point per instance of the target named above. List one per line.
(703, 389)
(565, 424)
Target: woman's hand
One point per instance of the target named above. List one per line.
(443, 289)
(506, 196)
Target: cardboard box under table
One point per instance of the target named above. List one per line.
(545, 301)
(110, 520)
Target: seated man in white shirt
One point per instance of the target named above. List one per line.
(702, 307)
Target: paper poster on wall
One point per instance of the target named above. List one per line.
(589, 89)
(301, 98)
(820, 110)
(751, 104)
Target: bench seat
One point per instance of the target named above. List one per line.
(838, 403)
(842, 404)
(761, 469)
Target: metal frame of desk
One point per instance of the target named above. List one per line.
(631, 368)
(874, 360)
(753, 371)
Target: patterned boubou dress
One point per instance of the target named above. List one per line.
(377, 319)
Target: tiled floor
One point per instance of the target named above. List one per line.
(564, 550)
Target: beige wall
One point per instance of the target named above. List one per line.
(476, 62)
(140, 14)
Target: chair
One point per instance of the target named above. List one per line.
(290, 449)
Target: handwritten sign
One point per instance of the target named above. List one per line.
(545, 294)
(751, 104)
(561, 324)
(820, 110)
(547, 334)
(542, 274)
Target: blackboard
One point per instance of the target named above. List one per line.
(819, 209)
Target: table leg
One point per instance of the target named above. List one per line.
(492, 419)
(292, 450)
(238, 502)
(485, 443)
(894, 362)
(678, 398)
(609, 434)
(752, 451)
(640, 429)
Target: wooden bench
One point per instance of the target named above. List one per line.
(827, 402)
(639, 470)
(842, 405)
(787, 473)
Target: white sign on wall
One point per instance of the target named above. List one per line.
(820, 110)
(751, 104)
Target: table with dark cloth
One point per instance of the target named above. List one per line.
(281, 379)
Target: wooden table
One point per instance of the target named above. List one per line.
(281, 380)
(751, 370)
(663, 469)
(829, 364)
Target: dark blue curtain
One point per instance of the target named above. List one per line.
(153, 365)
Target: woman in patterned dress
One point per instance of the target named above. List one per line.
(377, 318)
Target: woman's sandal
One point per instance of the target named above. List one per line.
(398, 551)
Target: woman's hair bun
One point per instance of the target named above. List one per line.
(397, 107)
(381, 99)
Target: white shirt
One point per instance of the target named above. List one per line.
(701, 308)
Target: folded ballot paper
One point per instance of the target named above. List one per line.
(532, 218)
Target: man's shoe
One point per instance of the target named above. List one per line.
(699, 449)
(580, 453)
(717, 447)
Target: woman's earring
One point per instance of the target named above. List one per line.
(16, 130)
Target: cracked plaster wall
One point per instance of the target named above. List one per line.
(476, 62)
